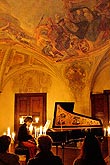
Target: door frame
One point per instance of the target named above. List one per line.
(43, 95)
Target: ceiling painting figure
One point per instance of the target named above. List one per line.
(71, 31)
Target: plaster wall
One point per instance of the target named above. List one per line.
(58, 91)
(102, 82)
(7, 108)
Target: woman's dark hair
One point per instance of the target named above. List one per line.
(4, 143)
(91, 151)
(45, 142)
(28, 119)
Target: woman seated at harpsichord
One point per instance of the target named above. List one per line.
(25, 138)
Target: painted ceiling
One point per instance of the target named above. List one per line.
(62, 29)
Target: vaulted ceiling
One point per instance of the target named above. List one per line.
(47, 32)
(61, 28)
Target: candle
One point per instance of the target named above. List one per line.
(13, 136)
(47, 124)
(36, 119)
(21, 120)
(40, 130)
(108, 130)
(35, 132)
(44, 131)
(8, 131)
(31, 128)
(105, 131)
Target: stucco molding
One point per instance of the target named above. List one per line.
(30, 60)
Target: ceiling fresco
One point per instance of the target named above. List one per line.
(63, 29)
(77, 75)
(29, 82)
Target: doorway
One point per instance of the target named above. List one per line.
(30, 104)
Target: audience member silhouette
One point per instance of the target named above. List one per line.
(45, 155)
(25, 138)
(91, 152)
(7, 158)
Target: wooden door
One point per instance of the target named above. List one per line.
(100, 109)
(33, 104)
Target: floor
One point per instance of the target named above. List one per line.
(67, 155)
(72, 150)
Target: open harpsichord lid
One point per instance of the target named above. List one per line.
(64, 116)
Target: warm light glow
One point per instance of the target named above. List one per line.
(21, 120)
(108, 130)
(105, 131)
(36, 119)
(40, 130)
(47, 124)
(31, 128)
(8, 131)
(44, 131)
(13, 136)
(4, 133)
(35, 132)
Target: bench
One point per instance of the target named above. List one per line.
(22, 150)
